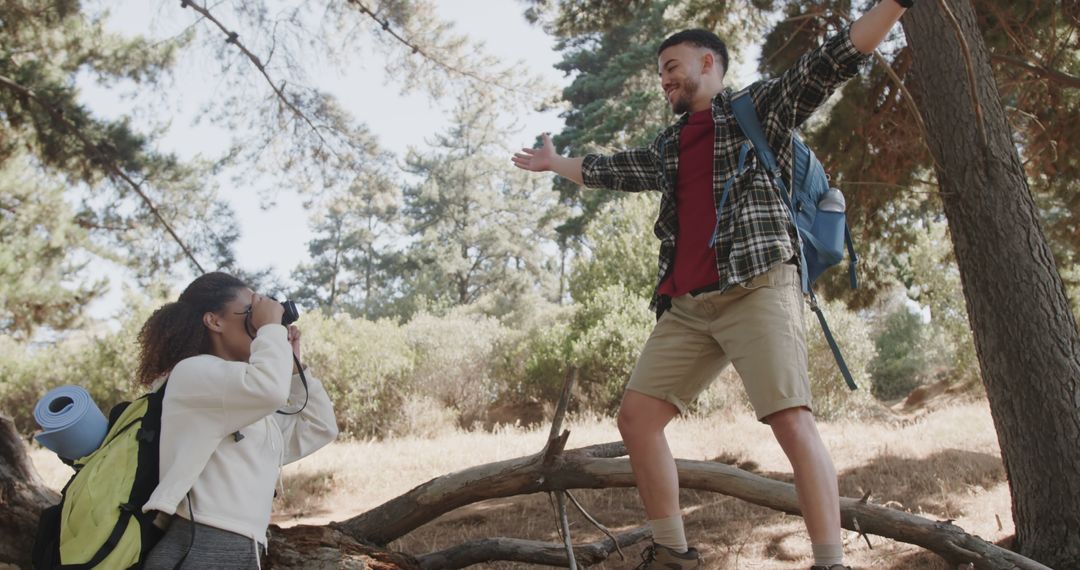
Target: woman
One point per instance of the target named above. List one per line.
(226, 358)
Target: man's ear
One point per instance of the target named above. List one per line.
(709, 62)
(212, 321)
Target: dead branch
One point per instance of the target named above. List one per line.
(279, 90)
(564, 526)
(595, 523)
(415, 48)
(530, 551)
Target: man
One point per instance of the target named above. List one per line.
(728, 289)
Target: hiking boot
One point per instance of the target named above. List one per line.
(833, 567)
(658, 557)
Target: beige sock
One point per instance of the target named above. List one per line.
(669, 532)
(827, 554)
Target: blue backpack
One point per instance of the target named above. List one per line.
(816, 210)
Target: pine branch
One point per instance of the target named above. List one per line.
(416, 49)
(93, 150)
(1060, 77)
(279, 90)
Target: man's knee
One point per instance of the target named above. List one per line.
(791, 421)
(640, 414)
(629, 421)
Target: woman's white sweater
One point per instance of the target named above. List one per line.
(207, 401)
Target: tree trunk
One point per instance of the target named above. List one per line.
(1025, 332)
(22, 496)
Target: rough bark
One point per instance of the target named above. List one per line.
(1025, 332)
(319, 547)
(22, 497)
(530, 551)
(602, 467)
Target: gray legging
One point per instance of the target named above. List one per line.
(213, 548)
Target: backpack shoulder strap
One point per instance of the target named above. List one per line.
(743, 107)
(745, 114)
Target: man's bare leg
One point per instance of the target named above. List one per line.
(641, 421)
(815, 476)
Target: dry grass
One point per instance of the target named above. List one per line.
(945, 465)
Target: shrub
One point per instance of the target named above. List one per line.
(832, 398)
(607, 334)
(936, 285)
(453, 356)
(900, 365)
(102, 363)
(365, 366)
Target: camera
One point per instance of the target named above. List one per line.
(291, 312)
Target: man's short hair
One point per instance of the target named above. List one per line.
(701, 38)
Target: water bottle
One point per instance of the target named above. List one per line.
(828, 228)
(832, 201)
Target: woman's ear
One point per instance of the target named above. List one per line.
(212, 321)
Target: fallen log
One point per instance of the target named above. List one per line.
(304, 547)
(530, 551)
(599, 466)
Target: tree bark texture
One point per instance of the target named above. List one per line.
(22, 497)
(305, 547)
(530, 551)
(1025, 332)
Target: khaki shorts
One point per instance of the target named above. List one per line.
(757, 326)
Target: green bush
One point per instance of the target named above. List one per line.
(23, 380)
(900, 365)
(365, 366)
(832, 398)
(622, 249)
(532, 363)
(607, 334)
(453, 359)
(936, 285)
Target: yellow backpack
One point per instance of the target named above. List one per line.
(99, 521)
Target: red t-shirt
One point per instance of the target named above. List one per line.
(695, 261)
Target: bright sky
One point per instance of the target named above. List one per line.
(398, 120)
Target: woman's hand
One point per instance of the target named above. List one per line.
(265, 311)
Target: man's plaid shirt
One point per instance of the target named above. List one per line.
(756, 233)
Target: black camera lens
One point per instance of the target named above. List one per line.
(291, 313)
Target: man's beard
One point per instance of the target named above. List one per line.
(687, 90)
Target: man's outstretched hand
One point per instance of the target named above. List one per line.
(536, 159)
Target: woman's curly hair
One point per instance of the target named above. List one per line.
(176, 331)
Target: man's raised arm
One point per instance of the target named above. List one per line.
(871, 28)
(787, 101)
